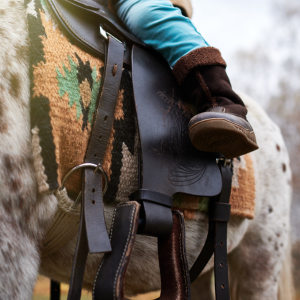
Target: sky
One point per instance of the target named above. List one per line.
(231, 25)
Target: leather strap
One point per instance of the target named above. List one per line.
(79, 261)
(152, 196)
(156, 216)
(175, 282)
(216, 241)
(205, 254)
(175, 279)
(54, 290)
(92, 236)
(108, 284)
(97, 236)
(220, 257)
(80, 21)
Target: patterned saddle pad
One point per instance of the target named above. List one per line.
(65, 85)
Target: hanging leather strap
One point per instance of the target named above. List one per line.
(54, 290)
(92, 236)
(216, 241)
(174, 271)
(175, 282)
(221, 216)
(108, 284)
(97, 236)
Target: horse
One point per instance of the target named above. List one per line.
(259, 251)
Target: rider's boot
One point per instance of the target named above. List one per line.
(221, 124)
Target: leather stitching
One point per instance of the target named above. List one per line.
(78, 35)
(125, 248)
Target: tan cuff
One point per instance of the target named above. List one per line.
(205, 56)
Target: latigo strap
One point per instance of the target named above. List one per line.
(93, 235)
(216, 242)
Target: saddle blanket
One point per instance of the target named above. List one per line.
(65, 85)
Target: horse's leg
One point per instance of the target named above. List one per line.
(202, 287)
(23, 212)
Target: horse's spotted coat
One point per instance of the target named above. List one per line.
(257, 247)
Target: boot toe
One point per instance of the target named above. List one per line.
(224, 133)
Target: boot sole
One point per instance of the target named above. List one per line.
(222, 136)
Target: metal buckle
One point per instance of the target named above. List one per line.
(105, 34)
(227, 162)
(85, 165)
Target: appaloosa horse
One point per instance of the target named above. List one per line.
(259, 252)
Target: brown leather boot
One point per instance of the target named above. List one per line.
(221, 124)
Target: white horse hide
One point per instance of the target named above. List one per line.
(257, 248)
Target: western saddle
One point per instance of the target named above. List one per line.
(168, 164)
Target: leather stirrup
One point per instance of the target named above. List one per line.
(175, 281)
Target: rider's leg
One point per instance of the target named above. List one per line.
(161, 26)
(221, 125)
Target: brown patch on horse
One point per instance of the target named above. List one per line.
(1, 115)
(15, 85)
(12, 168)
(22, 52)
(188, 214)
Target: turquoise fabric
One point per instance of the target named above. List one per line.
(160, 25)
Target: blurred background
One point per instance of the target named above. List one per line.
(260, 41)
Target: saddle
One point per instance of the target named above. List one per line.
(168, 164)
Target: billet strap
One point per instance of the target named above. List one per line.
(222, 212)
(92, 236)
(97, 236)
(108, 284)
(216, 242)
